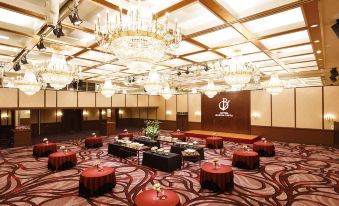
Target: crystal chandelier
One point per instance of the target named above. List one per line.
(237, 72)
(153, 84)
(167, 92)
(137, 39)
(108, 89)
(274, 86)
(211, 90)
(29, 83)
(57, 72)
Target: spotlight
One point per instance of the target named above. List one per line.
(333, 78)
(334, 72)
(179, 73)
(41, 46)
(24, 60)
(335, 28)
(57, 31)
(206, 68)
(17, 67)
(74, 17)
(187, 71)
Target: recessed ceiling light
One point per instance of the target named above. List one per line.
(316, 41)
(320, 59)
(318, 51)
(314, 25)
(4, 37)
(209, 49)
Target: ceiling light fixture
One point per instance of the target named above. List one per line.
(74, 16)
(4, 37)
(29, 83)
(57, 31)
(153, 84)
(137, 39)
(108, 89)
(167, 92)
(314, 25)
(17, 67)
(210, 89)
(274, 86)
(41, 45)
(24, 60)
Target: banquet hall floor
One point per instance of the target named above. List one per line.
(297, 175)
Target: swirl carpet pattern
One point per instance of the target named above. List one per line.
(297, 175)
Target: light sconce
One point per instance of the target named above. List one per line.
(4, 116)
(168, 112)
(28, 112)
(103, 112)
(59, 114)
(197, 113)
(329, 117)
(121, 111)
(85, 113)
(255, 115)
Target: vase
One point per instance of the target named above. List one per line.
(215, 165)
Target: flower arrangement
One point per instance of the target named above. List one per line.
(63, 148)
(125, 130)
(157, 188)
(152, 128)
(97, 164)
(93, 134)
(178, 130)
(195, 142)
(245, 147)
(45, 140)
(263, 139)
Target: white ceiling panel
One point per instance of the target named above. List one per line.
(20, 20)
(223, 37)
(174, 62)
(255, 57)
(293, 51)
(286, 40)
(98, 71)
(82, 62)
(245, 49)
(204, 56)
(287, 20)
(305, 69)
(267, 63)
(111, 67)
(186, 47)
(98, 56)
(304, 64)
(295, 59)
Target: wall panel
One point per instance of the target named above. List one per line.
(260, 107)
(142, 100)
(283, 109)
(143, 113)
(152, 113)
(118, 100)
(182, 102)
(131, 100)
(8, 98)
(50, 98)
(36, 100)
(331, 105)
(67, 99)
(161, 109)
(154, 100)
(102, 101)
(171, 108)
(86, 99)
(309, 107)
(194, 107)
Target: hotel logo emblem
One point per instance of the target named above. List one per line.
(224, 104)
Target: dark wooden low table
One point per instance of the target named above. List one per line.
(166, 163)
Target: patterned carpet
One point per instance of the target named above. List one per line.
(297, 175)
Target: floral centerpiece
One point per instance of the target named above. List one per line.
(63, 148)
(264, 139)
(245, 147)
(215, 161)
(45, 140)
(125, 130)
(98, 165)
(157, 188)
(152, 128)
(195, 142)
(93, 134)
(178, 130)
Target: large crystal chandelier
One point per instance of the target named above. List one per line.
(108, 89)
(211, 90)
(167, 92)
(274, 86)
(237, 72)
(29, 83)
(137, 39)
(57, 72)
(153, 84)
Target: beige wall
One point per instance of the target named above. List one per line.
(194, 107)
(142, 100)
(152, 113)
(67, 99)
(8, 98)
(261, 108)
(143, 113)
(182, 103)
(283, 111)
(36, 100)
(331, 105)
(171, 109)
(86, 99)
(118, 100)
(102, 101)
(131, 100)
(161, 109)
(50, 98)
(309, 107)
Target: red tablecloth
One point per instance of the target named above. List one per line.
(245, 159)
(62, 160)
(148, 198)
(44, 149)
(94, 182)
(180, 135)
(93, 142)
(125, 134)
(214, 142)
(216, 179)
(264, 148)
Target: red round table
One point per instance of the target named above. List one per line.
(265, 149)
(93, 142)
(180, 135)
(218, 179)
(148, 198)
(62, 160)
(44, 149)
(214, 142)
(125, 134)
(245, 159)
(94, 182)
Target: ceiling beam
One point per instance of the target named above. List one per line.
(175, 7)
(107, 4)
(22, 11)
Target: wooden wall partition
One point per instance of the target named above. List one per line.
(239, 109)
